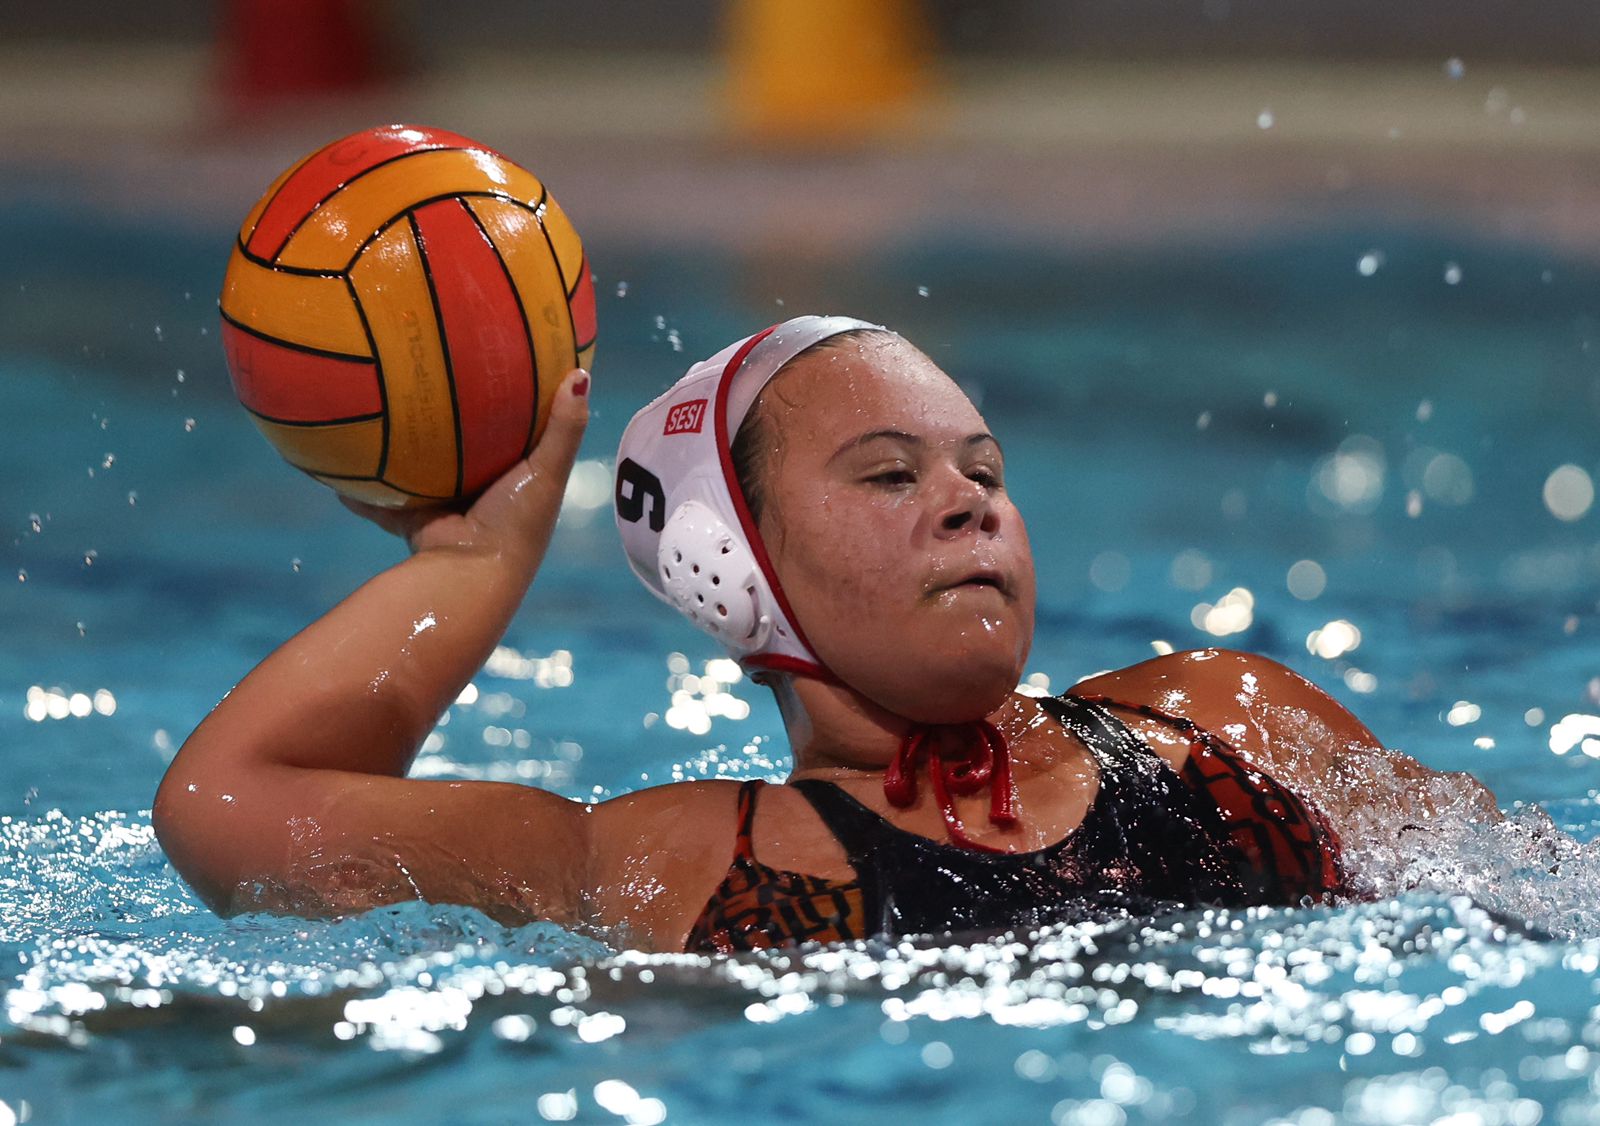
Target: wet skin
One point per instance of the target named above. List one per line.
(892, 534)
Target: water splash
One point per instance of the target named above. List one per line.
(1409, 829)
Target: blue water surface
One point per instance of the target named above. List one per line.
(1181, 422)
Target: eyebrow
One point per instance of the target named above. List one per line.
(907, 439)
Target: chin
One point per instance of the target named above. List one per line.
(952, 690)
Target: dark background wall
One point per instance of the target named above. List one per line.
(1563, 32)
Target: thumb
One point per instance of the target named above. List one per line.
(552, 458)
(523, 505)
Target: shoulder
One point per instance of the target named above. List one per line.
(1267, 711)
(656, 856)
(657, 823)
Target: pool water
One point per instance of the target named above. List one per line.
(1184, 424)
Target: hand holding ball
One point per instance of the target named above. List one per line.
(399, 311)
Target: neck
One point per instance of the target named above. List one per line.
(836, 733)
(834, 729)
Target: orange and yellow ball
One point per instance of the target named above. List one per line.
(399, 310)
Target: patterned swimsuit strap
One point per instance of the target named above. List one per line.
(1270, 820)
(744, 840)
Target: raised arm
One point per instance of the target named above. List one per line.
(291, 794)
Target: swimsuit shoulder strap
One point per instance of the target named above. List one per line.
(744, 841)
(1117, 750)
(857, 828)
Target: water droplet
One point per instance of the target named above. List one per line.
(81, 629)
(181, 376)
(1452, 274)
(1568, 492)
(1370, 262)
(1454, 68)
(622, 289)
(105, 424)
(922, 291)
(90, 556)
(133, 498)
(1307, 580)
(1425, 410)
(1203, 421)
(1269, 400)
(1264, 119)
(294, 564)
(22, 576)
(34, 524)
(159, 335)
(188, 425)
(107, 461)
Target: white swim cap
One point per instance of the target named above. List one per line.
(685, 525)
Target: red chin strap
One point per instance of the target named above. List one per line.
(988, 760)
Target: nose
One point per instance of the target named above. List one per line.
(965, 506)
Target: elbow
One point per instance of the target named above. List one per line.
(173, 811)
(181, 827)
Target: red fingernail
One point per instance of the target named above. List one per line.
(580, 386)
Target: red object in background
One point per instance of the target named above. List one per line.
(274, 50)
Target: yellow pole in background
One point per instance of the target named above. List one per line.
(820, 71)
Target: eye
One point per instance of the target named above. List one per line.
(988, 478)
(894, 477)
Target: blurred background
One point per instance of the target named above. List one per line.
(787, 133)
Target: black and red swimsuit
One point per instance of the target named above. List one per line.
(1216, 833)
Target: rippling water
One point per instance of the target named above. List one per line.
(160, 550)
(129, 999)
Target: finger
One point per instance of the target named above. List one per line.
(386, 518)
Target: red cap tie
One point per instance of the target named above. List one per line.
(988, 760)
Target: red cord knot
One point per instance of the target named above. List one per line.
(988, 761)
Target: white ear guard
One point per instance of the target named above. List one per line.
(710, 575)
(688, 534)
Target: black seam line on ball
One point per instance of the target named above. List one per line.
(367, 171)
(444, 345)
(306, 349)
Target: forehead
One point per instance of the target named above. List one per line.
(874, 383)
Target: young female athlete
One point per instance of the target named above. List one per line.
(829, 505)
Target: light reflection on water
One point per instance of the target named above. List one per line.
(1404, 1010)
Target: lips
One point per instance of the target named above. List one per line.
(978, 579)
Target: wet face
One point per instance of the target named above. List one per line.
(888, 523)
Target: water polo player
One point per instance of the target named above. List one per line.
(829, 505)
